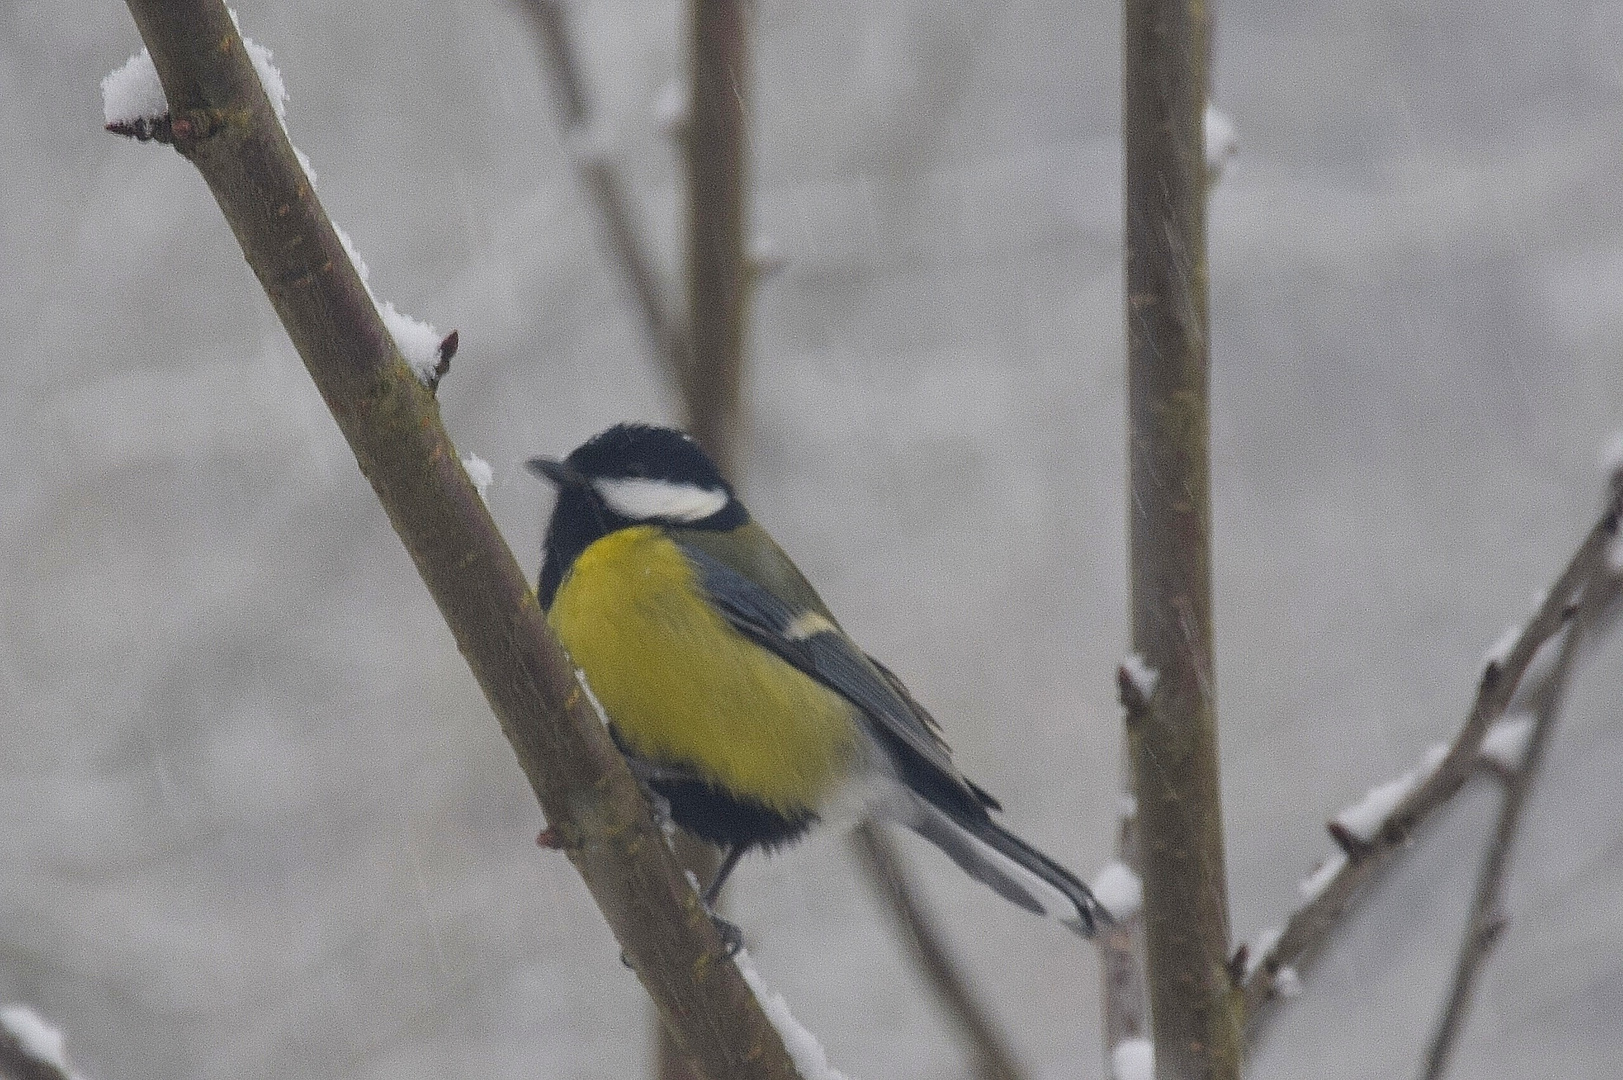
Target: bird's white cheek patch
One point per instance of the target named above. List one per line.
(643, 500)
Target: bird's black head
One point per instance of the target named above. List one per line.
(631, 474)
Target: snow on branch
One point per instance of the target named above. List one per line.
(1123, 992)
(134, 105)
(1516, 748)
(31, 1047)
(810, 1059)
(1376, 829)
(594, 809)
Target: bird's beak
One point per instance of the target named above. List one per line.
(560, 474)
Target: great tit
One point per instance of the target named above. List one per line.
(740, 704)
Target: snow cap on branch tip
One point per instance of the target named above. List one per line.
(1506, 742)
(1222, 141)
(672, 109)
(1133, 1059)
(1142, 675)
(1287, 983)
(1118, 889)
(38, 1039)
(1258, 950)
(765, 257)
(132, 93)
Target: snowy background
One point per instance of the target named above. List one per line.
(255, 819)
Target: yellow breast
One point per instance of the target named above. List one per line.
(684, 688)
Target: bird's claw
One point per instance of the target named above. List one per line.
(732, 938)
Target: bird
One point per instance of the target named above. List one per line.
(744, 710)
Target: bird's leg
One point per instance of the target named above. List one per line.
(731, 936)
(712, 892)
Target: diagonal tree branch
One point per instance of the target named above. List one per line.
(223, 123)
(1486, 922)
(1332, 891)
(883, 865)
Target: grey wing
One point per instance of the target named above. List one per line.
(900, 724)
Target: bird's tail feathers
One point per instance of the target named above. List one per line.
(1013, 868)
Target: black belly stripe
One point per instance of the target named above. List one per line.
(719, 818)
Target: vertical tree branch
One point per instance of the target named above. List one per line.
(1173, 748)
(717, 278)
(606, 191)
(711, 377)
(221, 120)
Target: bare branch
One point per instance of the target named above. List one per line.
(1124, 997)
(1173, 747)
(1330, 893)
(593, 806)
(1486, 923)
(993, 1057)
(607, 192)
(718, 277)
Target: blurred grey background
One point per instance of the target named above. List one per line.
(255, 819)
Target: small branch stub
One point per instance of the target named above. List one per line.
(448, 347)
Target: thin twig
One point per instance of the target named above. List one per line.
(1124, 997)
(593, 807)
(882, 864)
(606, 191)
(1336, 888)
